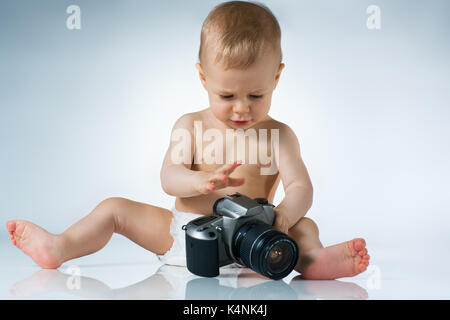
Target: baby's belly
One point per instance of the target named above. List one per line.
(260, 188)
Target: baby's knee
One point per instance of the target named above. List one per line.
(113, 209)
(306, 224)
(112, 205)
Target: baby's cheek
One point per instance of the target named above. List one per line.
(260, 111)
(220, 111)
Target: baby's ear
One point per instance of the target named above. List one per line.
(280, 68)
(278, 74)
(201, 73)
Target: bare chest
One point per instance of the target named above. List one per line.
(254, 148)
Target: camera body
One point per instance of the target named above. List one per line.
(239, 230)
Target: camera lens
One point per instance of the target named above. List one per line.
(279, 257)
(265, 249)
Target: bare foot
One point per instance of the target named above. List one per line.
(346, 259)
(42, 246)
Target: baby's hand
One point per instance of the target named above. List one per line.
(220, 179)
(281, 222)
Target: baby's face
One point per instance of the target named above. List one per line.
(241, 98)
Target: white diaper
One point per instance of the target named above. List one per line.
(176, 255)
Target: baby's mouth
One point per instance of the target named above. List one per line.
(240, 123)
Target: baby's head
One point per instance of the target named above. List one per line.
(240, 61)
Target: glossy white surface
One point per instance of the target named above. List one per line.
(123, 270)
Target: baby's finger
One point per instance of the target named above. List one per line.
(220, 177)
(277, 222)
(285, 228)
(227, 169)
(280, 223)
(211, 187)
(217, 182)
(235, 182)
(206, 188)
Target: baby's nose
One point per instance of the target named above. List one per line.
(240, 107)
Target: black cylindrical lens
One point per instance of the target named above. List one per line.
(279, 256)
(265, 249)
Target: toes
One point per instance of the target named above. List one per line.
(11, 226)
(362, 267)
(363, 252)
(364, 263)
(366, 258)
(13, 240)
(359, 244)
(360, 250)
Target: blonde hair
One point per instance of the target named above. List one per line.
(238, 32)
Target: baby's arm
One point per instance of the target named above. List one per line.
(177, 179)
(294, 176)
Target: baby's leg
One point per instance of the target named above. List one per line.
(142, 223)
(346, 259)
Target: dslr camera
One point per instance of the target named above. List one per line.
(239, 230)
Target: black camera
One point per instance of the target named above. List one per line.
(239, 230)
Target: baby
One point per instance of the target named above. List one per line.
(240, 63)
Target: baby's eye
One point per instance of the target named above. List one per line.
(256, 96)
(226, 96)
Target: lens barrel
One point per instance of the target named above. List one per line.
(265, 249)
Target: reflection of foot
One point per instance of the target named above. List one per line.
(37, 243)
(346, 259)
(40, 282)
(328, 289)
